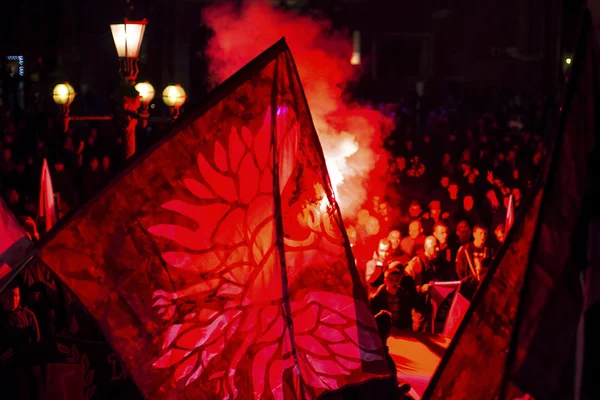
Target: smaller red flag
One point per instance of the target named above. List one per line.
(47, 205)
(510, 215)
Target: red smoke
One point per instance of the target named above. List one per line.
(351, 135)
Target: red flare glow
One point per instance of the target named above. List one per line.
(351, 135)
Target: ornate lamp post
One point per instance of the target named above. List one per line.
(133, 99)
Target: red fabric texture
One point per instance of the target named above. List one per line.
(14, 243)
(218, 267)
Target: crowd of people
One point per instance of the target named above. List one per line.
(441, 217)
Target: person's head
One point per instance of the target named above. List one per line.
(466, 155)
(384, 209)
(537, 157)
(463, 231)
(427, 139)
(352, 235)
(10, 297)
(372, 226)
(465, 167)
(468, 202)
(409, 144)
(415, 209)
(392, 277)
(453, 190)
(499, 233)
(506, 200)
(106, 162)
(516, 192)
(94, 164)
(440, 231)
(394, 238)
(59, 165)
(13, 196)
(362, 217)
(431, 247)
(401, 163)
(435, 208)
(479, 235)
(445, 181)
(415, 229)
(7, 154)
(383, 319)
(383, 250)
(446, 159)
(515, 174)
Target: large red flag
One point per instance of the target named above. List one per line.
(47, 204)
(218, 265)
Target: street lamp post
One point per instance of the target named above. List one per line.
(133, 99)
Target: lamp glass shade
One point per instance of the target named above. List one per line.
(146, 91)
(174, 96)
(128, 37)
(63, 94)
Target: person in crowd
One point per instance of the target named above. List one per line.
(377, 266)
(396, 295)
(453, 203)
(433, 217)
(422, 269)
(412, 243)
(445, 258)
(471, 253)
(498, 238)
(468, 212)
(20, 336)
(396, 253)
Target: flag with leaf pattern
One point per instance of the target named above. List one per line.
(218, 265)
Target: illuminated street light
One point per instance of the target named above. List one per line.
(128, 40)
(63, 94)
(133, 99)
(174, 97)
(146, 91)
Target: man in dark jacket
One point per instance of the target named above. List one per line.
(396, 295)
(471, 254)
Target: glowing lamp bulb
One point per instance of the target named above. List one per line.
(63, 94)
(568, 60)
(146, 91)
(174, 96)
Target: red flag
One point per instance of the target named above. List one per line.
(456, 314)
(510, 215)
(218, 265)
(47, 205)
(14, 242)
